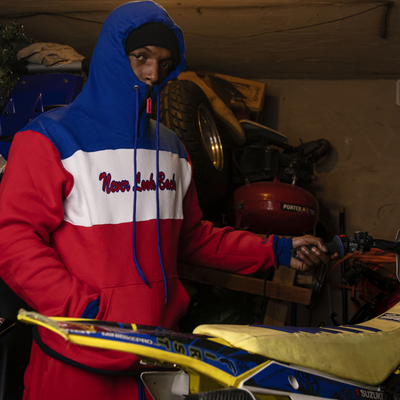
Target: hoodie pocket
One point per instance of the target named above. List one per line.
(133, 304)
(105, 299)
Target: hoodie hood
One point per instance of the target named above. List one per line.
(112, 84)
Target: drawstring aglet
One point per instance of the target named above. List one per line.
(149, 105)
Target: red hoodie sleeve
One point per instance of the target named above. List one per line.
(203, 244)
(32, 191)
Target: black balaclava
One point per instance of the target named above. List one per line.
(154, 34)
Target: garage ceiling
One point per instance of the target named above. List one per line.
(251, 39)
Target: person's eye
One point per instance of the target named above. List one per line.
(138, 56)
(165, 65)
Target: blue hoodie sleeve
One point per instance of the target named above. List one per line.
(282, 247)
(92, 309)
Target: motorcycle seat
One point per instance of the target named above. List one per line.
(366, 352)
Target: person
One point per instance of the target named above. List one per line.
(98, 203)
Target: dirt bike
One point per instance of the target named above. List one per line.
(352, 362)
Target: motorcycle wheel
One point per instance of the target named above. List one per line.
(186, 110)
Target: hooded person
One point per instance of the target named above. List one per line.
(98, 203)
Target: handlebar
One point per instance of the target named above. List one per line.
(361, 242)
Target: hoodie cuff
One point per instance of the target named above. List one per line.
(92, 309)
(282, 247)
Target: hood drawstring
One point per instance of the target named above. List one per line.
(141, 390)
(142, 275)
(157, 199)
(148, 104)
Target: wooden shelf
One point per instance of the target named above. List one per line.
(246, 284)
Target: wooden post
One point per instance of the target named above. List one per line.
(276, 311)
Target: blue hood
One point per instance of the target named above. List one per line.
(111, 81)
(111, 99)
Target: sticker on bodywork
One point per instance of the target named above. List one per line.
(390, 317)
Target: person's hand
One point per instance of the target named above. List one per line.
(309, 259)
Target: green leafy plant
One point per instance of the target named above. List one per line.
(12, 40)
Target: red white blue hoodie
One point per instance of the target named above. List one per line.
(98, 204)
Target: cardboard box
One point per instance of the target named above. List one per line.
(253, 92)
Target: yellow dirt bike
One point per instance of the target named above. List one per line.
(249, 362)
(351, 362)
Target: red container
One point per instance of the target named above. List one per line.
(273, 207)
